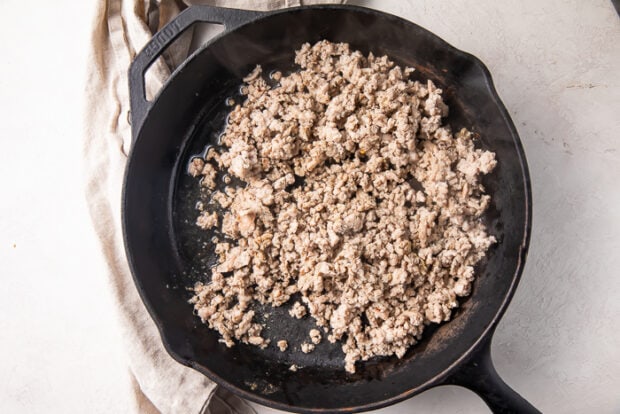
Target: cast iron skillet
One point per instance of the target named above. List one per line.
(165, 256)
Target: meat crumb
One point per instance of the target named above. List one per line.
(282, 345)
(195, 167)
(208, 176)
(356, 197)
(207, 220)
(298, 310)
(315, 336)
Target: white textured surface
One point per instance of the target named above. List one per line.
(60, 350)
(555, 65)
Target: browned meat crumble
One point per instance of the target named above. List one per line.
(356, 197)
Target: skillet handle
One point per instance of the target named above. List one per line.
(479, 375)
(229, 18)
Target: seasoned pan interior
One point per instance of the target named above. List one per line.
(167, 253)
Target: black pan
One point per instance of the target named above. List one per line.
(165, 252)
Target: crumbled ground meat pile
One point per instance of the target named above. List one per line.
(356, 197)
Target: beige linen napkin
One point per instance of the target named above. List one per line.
(120, 29)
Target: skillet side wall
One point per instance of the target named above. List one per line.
(181, 117)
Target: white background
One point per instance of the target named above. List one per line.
(556, 66)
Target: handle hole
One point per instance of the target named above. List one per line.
(203, 32)
(176, 53)
(451, 398)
